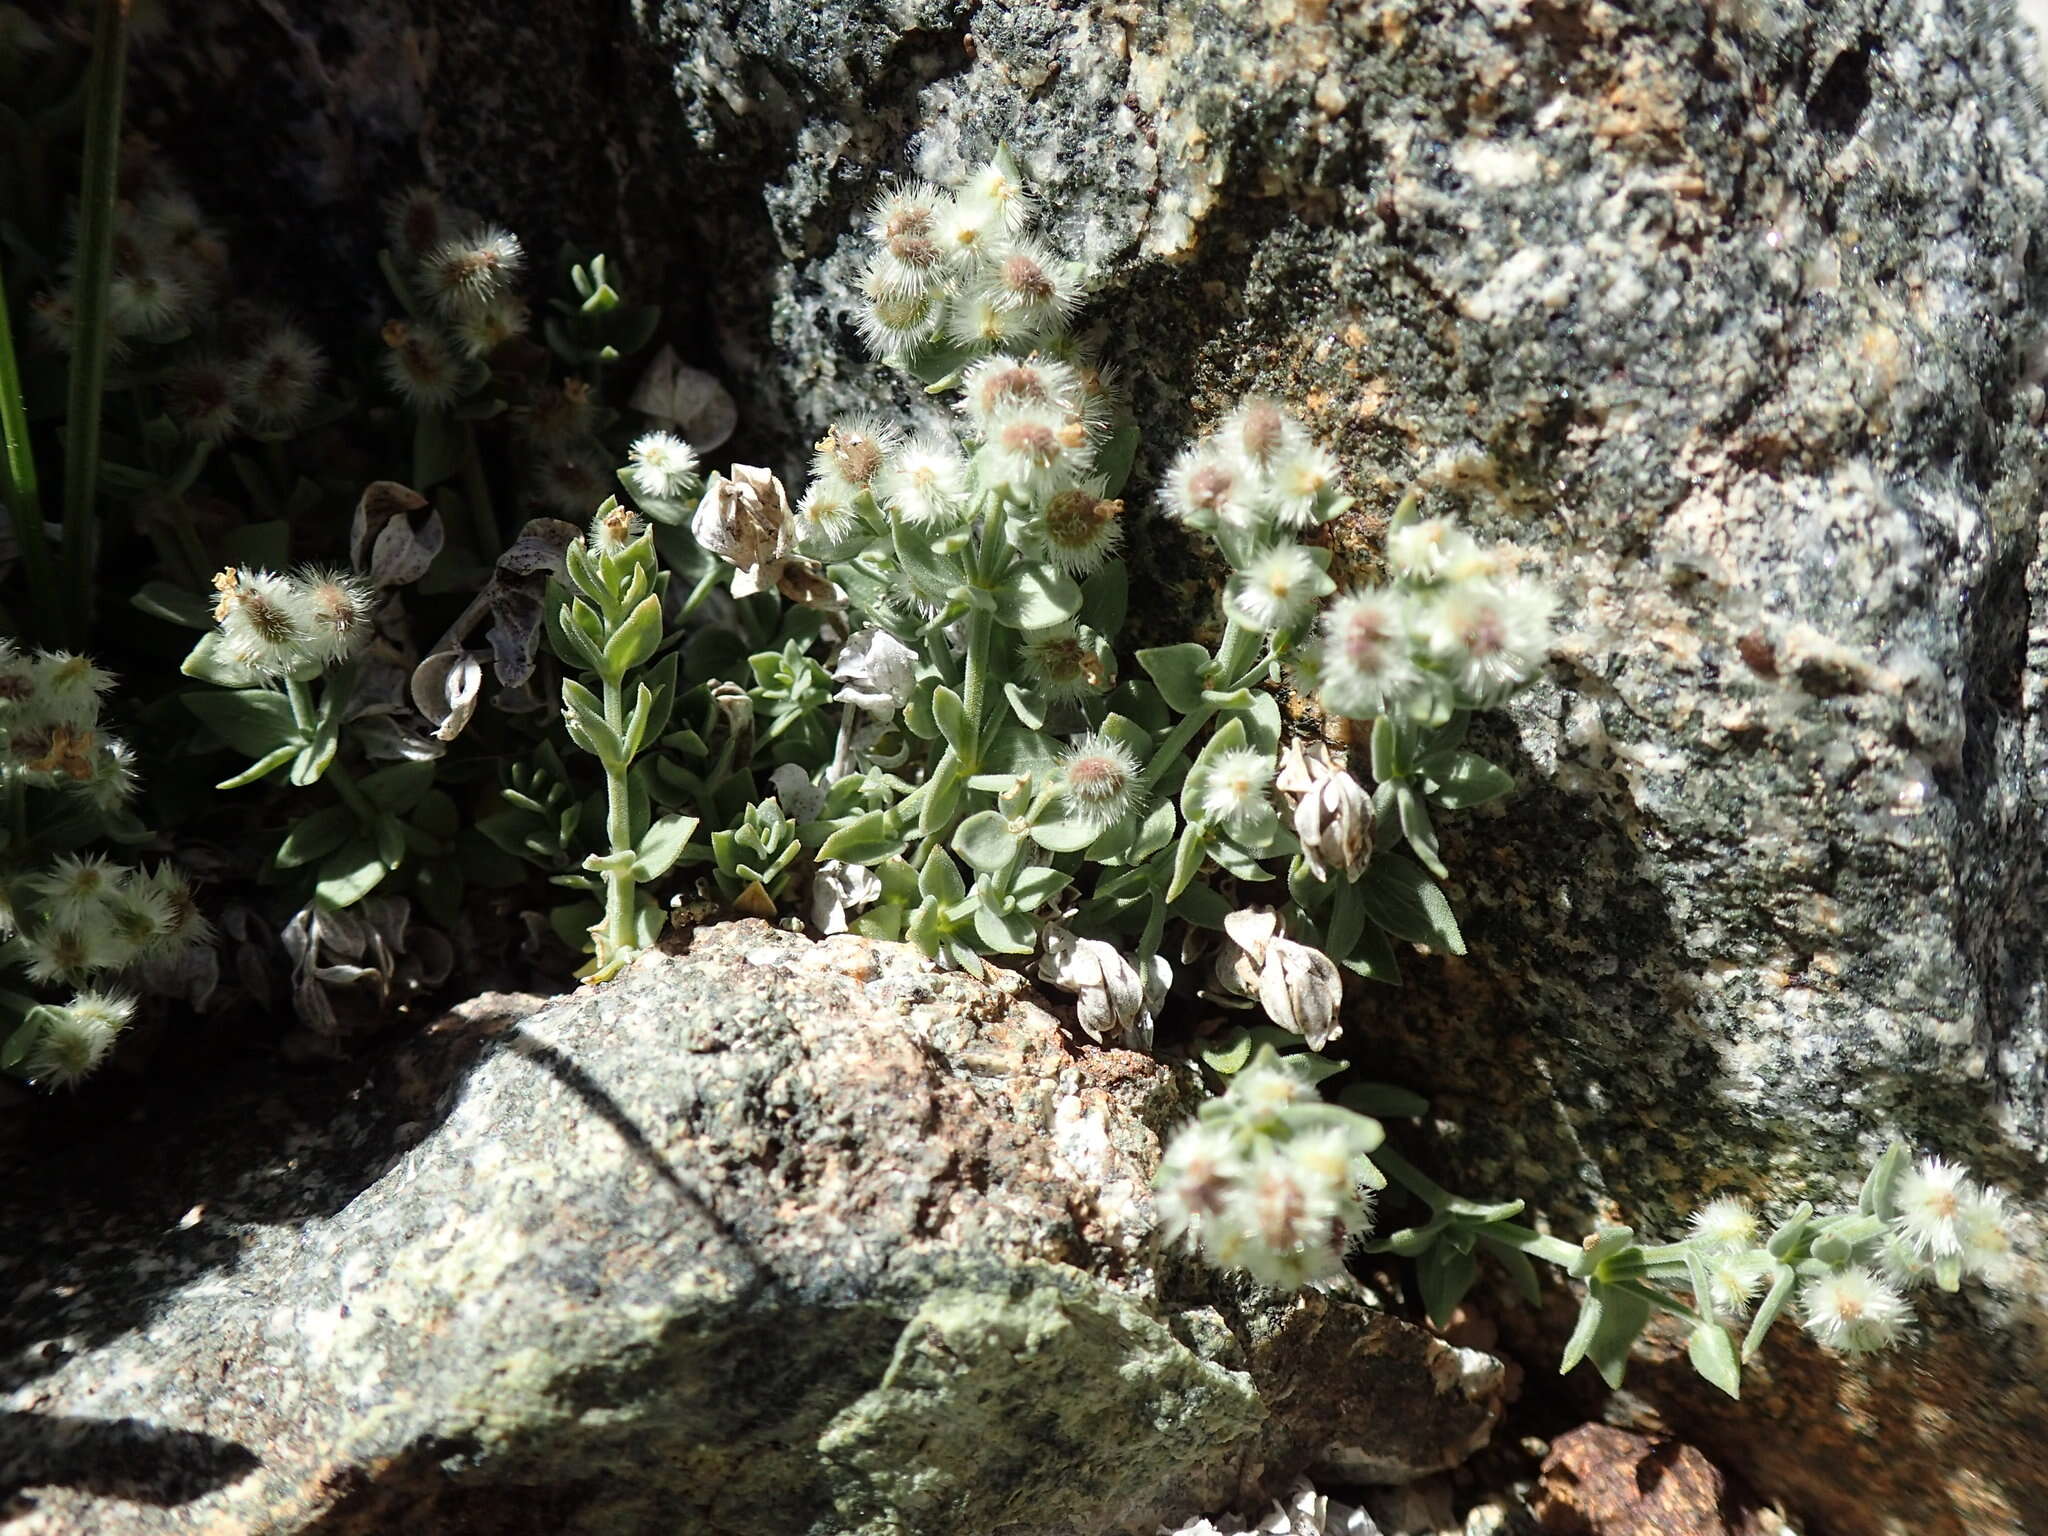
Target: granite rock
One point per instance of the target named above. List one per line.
(765, 1237)
(1730, 315)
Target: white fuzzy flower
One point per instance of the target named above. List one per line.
(976, 320)
(465, 273)
(1206, 488)
(905, 226)
(1259, 433)
(1002, 382)
(1098, 777)
(1000, 187)
(1368, 665)
(1984, 1231)
(826, 516)
(1930, 1198)
(925, 482)
(855, 452)
(73, 892)
(1491, 636)
(1430, 549)
(1725, 1225)
(662, 468)
(1236, 786)
(1080, 528)
(1853, 1310)
(264, 619)
(1036, 451)
(1026, 279)
(1299, 484)
(1197, 1172)
(1278, 588)
(1735, 1280)
(894, 322)
(75, 1041)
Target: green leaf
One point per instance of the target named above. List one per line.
(1187, 860)
(1113, 458)
(1463, 779)
(1783, 1279)
(174, 605)
(1622, 1317)
(1037, 597)
(23, 1039)
(1384, 1101)
(1712, 1352)
(1444, 1275)
(1227, 1052)
(1385, 750)
(661, 845)
(350, 874)
(1405, 902)
(1415, 826)
(940, 879)
(1028, 708)
(1005, 933)
(264, 766)
(1105, 596)
(397, 789)
(985, 841)
(388, 833)
(210, 662)
(254, 721)
(1180, 673)
(318, 754)
(438, 451)
(1036, 886)
(315, 837)
(1575, 1347)
(584, 715)
(1877, 1197)
(1203, 906)
(1372, 957)
(1062, 833)
(868, 839)
(951, 715)
(634, 640)
(1519, 1269)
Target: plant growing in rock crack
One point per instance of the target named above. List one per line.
(1272, 1180)
(996, 785)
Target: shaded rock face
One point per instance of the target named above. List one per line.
(1730, 316)
(770, 1237)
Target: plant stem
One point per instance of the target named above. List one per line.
(1509, 1234)
(618, 883)
(94, 271)
(18, 487)
(981, 633)
(1232, 657)
(304, 716)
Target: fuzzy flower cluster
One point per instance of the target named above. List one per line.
(221, 367)
(960, 268)
(80, 920)
(1455, 629)
(1268, 1178)
(68, 918)
(292, 626)
(1930, 1223)
(50, 716)
(458, 276)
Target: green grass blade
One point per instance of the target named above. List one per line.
(94, 272)
(18, 487)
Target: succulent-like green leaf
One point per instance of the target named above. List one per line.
(1180, 672)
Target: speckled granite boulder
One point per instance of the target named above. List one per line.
(1731, 314)
(772, 1237)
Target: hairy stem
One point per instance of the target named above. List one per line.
(18, 487)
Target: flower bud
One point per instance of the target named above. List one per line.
(1332, 813)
